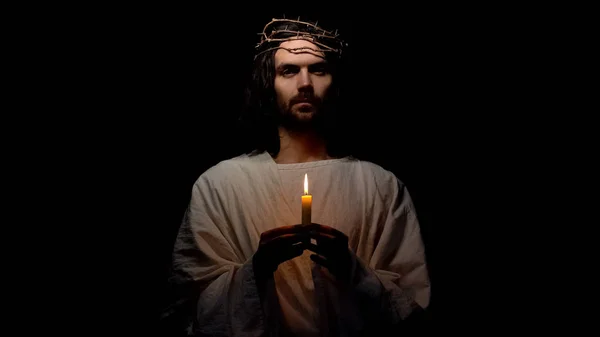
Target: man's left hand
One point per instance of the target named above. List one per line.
(332, 251)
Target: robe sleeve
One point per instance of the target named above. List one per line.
(222, 297)
(394, 282)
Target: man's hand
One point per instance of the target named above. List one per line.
(332, 249)
(276, 246)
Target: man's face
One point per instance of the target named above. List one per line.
(301, 81)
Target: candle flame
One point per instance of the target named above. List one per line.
(305, 183)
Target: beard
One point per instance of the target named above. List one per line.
(302, 113)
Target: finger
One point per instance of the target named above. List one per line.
(279, 231)
(331, 253)
(290, 253)
(325, 229)
(280, 244)
(316, 249)
(320, 260)
(323, 239)
(329, 247)
(286, 239)
(283, 230)
(300, 244)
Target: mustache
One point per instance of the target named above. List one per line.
(305, 99)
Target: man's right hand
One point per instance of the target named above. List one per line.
(276, 246)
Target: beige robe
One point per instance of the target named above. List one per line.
(236, 200)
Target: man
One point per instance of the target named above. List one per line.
(254, 270)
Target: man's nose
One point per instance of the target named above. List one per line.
(304, 80)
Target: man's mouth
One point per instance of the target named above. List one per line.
(304, 107)
(303, 101)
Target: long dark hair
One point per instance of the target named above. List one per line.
(259, 121)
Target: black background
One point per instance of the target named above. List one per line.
(156, 90)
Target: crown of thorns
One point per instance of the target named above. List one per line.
(277, 31)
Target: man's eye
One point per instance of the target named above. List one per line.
(319, 70)
(288, 71)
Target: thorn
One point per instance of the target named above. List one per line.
(298, 18)
(317, 23)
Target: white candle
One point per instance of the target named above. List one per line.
(306, 203)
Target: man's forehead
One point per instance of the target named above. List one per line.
(299, 50)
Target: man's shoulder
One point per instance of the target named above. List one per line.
(377, 172)
(233, 168)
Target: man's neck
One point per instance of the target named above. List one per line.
(300, 147)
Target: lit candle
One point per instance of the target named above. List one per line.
(306, 203)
